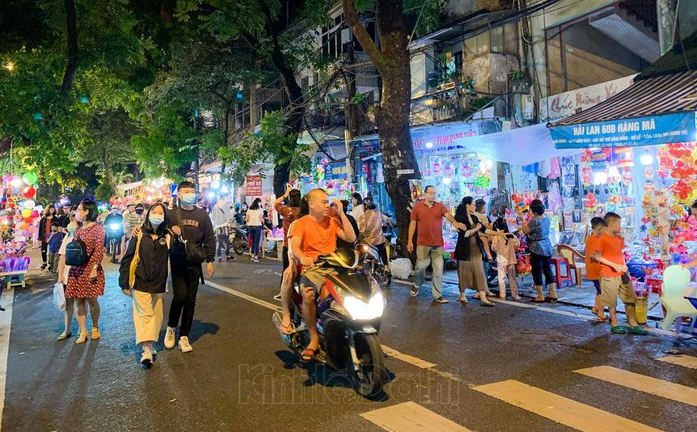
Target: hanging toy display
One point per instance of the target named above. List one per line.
(586, 176)
(627, 177)
(590, 204)
(625, 157)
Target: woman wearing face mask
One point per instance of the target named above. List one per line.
(149, 285)
(86, 282)
(63, 276)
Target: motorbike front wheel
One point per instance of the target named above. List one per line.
(239, 244)
(113, 250)
(367, 370)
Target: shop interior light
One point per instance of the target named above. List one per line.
(613, 172)
(489, 163)
(600, 178)
(211, 195)
(646, 158)
(447, 180)
(429, 144)
(225, 189)
(16, 182)
(215, 184)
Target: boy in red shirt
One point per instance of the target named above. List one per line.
(593, 267)
(608, 252)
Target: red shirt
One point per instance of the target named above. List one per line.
(429, 223)
(610, 248)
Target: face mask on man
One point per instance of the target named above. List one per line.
(139, 211)
(188, 198)
(156, 220)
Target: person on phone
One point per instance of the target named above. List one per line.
(311, 236)
(86, 282)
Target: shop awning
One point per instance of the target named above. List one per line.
(659, 108)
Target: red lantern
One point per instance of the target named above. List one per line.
(29, 192)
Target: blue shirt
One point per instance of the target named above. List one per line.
(538, 238)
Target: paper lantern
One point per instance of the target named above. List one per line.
(29, 204)
(30, 178)
(29, 192)
(26, 213)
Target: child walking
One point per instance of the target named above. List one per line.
(54, 245)
(593, 266)
(505, 247)
(608, 252)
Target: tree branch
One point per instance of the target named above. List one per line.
(368, 44)
(71, 68)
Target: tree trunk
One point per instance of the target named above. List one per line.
(392, 116)
(71, 68)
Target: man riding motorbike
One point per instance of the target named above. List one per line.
(311, 236)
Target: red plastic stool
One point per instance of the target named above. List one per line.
(558, 277)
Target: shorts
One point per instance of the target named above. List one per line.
(613, 287)
(315, 277)
(596, 284)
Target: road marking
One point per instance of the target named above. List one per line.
(643, 383)
(423, 364)
(680, 360)
(6, 300)
(560, 409)
(411, 417)
(244, 296)
(414, 361)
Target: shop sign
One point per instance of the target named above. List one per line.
(253, 186)
(663, 129)
(336, 171)
(442, 138)
(405, 171)
(563, 105)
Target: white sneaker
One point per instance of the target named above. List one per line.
(169, 338)
(184, 344)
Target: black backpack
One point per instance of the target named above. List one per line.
(76, 253)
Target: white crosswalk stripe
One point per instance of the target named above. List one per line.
(411, 417)
(680, 360)
(643, 383)
(560, 409)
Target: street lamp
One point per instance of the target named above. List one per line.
(10, 66)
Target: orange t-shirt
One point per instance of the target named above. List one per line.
(592, 266)
(318, 238)
(610, 248)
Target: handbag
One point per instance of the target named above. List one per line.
(134, 263)
(59, 296)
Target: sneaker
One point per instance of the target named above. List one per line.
(414, 291)
(441, 300)
(146, 358)
(184, 344)
(43, 266)
(169, 338)
(637, 330)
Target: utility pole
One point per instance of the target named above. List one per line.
(353, 164)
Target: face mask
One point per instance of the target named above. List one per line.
(188, 198)
(71, 228)
(155, 221)
(139, 211)
(78, 217)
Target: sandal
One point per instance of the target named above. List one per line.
(309, 354)
(538, 301)
(618, 330)
(551, 299)
(288, 329)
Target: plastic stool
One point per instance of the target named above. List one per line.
(558, 277)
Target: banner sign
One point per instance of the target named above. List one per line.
(336, 171)
(562, 105)
(253, 186)
(438, 138)
(653, 130)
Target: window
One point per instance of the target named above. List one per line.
(332, 45)
(497, 40)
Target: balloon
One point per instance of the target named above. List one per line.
(30, 178)
(24, 226)
(35, 214)
(29, 192)
(29, 204)
(26, 213)
(28, 220)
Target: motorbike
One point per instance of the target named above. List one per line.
(239, 239)
(373, 265)
(114, 232)
(349, 314)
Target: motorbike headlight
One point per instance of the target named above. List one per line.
(114, 226)
(361, 310)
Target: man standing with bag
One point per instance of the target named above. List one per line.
(194, 245)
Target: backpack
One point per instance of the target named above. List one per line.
(76, 253)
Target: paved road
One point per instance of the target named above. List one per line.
(507, 368)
